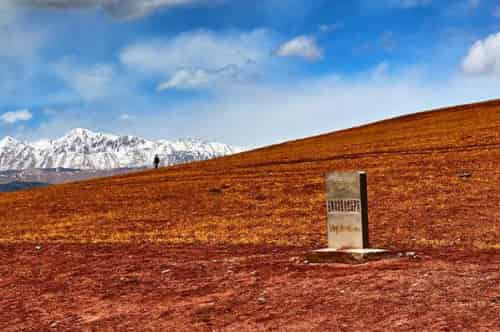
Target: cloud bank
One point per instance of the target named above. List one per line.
(256, 114)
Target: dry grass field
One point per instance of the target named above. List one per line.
(231, 233)
(276, 195)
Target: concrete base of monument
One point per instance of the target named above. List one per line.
(349, 256)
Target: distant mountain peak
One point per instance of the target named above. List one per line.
(82, 148)
(84, 133)
(8, 141)
(80, 131)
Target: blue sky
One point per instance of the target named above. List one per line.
(242, 72)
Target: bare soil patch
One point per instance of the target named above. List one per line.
(240, 288)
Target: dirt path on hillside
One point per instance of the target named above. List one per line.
(153, 287)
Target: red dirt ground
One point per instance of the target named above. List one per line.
(164, 288)
(230, 237)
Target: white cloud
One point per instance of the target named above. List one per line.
(198, 49)
(483, 57)
(198, 59)
(123, 9)
(90, 83)
(301, 46)
(15, 116)
(187, 79)
(195, 78)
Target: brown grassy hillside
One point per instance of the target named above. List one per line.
(275, 195)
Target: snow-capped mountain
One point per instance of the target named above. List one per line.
(84, 149)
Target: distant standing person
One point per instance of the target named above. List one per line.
(157, 161)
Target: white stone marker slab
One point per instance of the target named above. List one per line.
(347, 208)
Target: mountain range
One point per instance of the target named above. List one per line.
(83, 149)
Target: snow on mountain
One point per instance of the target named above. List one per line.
(83, 149)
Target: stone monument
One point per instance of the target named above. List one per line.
(347, 220)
